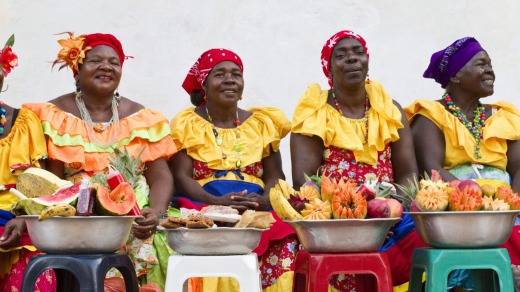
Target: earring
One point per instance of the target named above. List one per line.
(368, 78)
(78, 90)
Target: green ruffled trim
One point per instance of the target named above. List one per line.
(153, 134)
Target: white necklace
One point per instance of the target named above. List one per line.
(85, 116)
(236, 147)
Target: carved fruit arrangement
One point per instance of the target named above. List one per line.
(325, 198)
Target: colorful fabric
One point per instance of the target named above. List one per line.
(68, 141)
(447, 62)
(260, 133)
(68, 138)
(20, 149)
(340, 163)
(501, 126)
(314, 116)
(204, 64)
(327, 49)
(23, 147)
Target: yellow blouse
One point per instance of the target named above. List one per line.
(20, 149)
(501, 126)
(314, 116)
(261, 131)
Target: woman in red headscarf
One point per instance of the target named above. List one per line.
(352, 130)
(83, 128)
(22, 145)
(230, 156)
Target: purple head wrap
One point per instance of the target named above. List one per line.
(446, 63)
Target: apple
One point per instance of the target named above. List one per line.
(471, 185)
(396, 208)
(378, 208)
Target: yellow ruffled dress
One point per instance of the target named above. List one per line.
(501, 126)
(23, 147)
(68, 141)
(260, 133)
(314, 116)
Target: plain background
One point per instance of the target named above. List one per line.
(279, 42)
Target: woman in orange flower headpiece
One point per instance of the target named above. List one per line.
(84, 127)
(22, 145)
(230, 156)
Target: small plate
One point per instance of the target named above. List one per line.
(230, 218)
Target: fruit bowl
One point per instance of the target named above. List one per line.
(79, 234)
(342, 235)
(468, 229)
(213, 241)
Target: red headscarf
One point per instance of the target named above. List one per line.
(209, 59)
(98, 39)
(329, 47)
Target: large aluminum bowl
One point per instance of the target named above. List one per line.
(79, 234)
(468, 229)
(343, 235)
(213, 241)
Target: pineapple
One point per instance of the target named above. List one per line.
(408, 193)
(130, 167)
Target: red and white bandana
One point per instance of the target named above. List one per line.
(200, 70)
(329, 47)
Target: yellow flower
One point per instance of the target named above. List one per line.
(72, 52)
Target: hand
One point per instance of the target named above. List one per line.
(238, 200)
(147, 226)
(264, 204)
(12, 233)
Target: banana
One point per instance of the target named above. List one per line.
(287, 190)
(57, 210)
(282, 207)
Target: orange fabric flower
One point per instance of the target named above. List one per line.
(72, 51)
(8, 59)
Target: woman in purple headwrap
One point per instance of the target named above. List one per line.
(462, 137)
(352, 131)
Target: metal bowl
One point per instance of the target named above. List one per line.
(79, 234)
(343, 235)
(214, 241)
(468, 229)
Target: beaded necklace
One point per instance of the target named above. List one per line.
(91, 126)
(237, 147)
(475, 128)
(3, 119)
(365, 118)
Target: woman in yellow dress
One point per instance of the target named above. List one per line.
(82, 129)
(230, 156)
(22, 145)
(462, 137)
(351, 130)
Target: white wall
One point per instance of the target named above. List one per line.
(279, 41)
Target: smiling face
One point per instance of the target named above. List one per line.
(349, 63)
(224, 84)
(477, 76)
(100, 72)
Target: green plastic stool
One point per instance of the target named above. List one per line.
(438, 263)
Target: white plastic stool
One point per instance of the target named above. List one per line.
(243, 268)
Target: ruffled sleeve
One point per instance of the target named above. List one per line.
(68, 139)
(314, 116)
(261, 131)
(503, 125)
(22, 148)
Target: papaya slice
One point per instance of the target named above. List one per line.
(118, 202)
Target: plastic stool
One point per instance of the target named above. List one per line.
(89, 270)
(438, 263)
(244, 268)
(318, 268)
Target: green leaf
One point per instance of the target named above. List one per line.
(10, 41)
